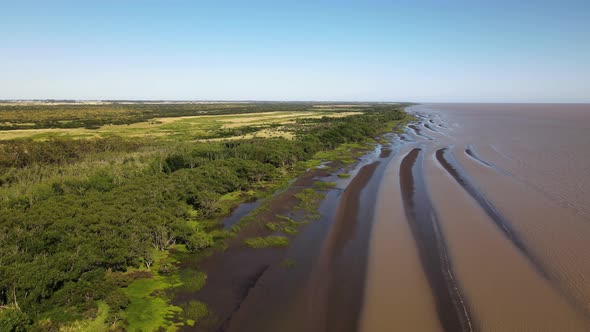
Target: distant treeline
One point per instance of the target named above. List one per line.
(23, 153)
(62, 248)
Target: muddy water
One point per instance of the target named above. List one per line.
(322, 288)
(452, 310)
(398, 296)
(476, 218)
(508, 191)
(240, 212)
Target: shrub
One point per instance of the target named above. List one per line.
(13, 320)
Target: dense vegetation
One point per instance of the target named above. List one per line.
(79, 219)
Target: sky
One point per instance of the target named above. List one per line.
(423, 51)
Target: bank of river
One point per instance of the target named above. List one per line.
(318, 280)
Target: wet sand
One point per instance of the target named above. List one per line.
(509, 188)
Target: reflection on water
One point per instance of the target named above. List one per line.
(238, 213)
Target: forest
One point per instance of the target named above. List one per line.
(82, 219)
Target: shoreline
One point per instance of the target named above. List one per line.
(329, 305)
(242, 280)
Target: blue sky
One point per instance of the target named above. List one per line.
(488, 51)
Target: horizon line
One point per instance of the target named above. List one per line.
(74, 100)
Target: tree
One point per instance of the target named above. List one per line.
(13, 319)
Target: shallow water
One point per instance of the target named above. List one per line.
(509, 187)
(240, 212)
(322, 290)
(476, 218)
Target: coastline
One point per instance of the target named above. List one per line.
(243, 283)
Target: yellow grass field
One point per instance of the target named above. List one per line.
(186, 127)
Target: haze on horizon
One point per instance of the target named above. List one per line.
(464, 51)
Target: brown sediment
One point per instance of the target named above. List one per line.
(346, 219)
(415, 128)
(248, 284)
(504, 290)
(335, 299)
(233, 272)
(426, 125)
(397, 294)
(539, 182)
(542, 144)
(447, 161)
(471, 153)
(230, 276)
(451, 306)
(242, 298)
(419, 133)
(329, 271)
(405, 138)
(557, 237)
(385, 152)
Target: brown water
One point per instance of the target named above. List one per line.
(483, 222)
(322, 290)
(476, 218)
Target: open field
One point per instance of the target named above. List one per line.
(261, 124)
(93, 115)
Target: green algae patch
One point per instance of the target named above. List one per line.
(324, 185)
(148, 312)
(287, 263)
(309, 201)
(194, 311)
(271, 241)
(149, 306)
(192, 280)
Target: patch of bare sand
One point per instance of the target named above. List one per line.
(284, 118)
(223, 117)
(324, 106)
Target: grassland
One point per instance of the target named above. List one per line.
(203, 127)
